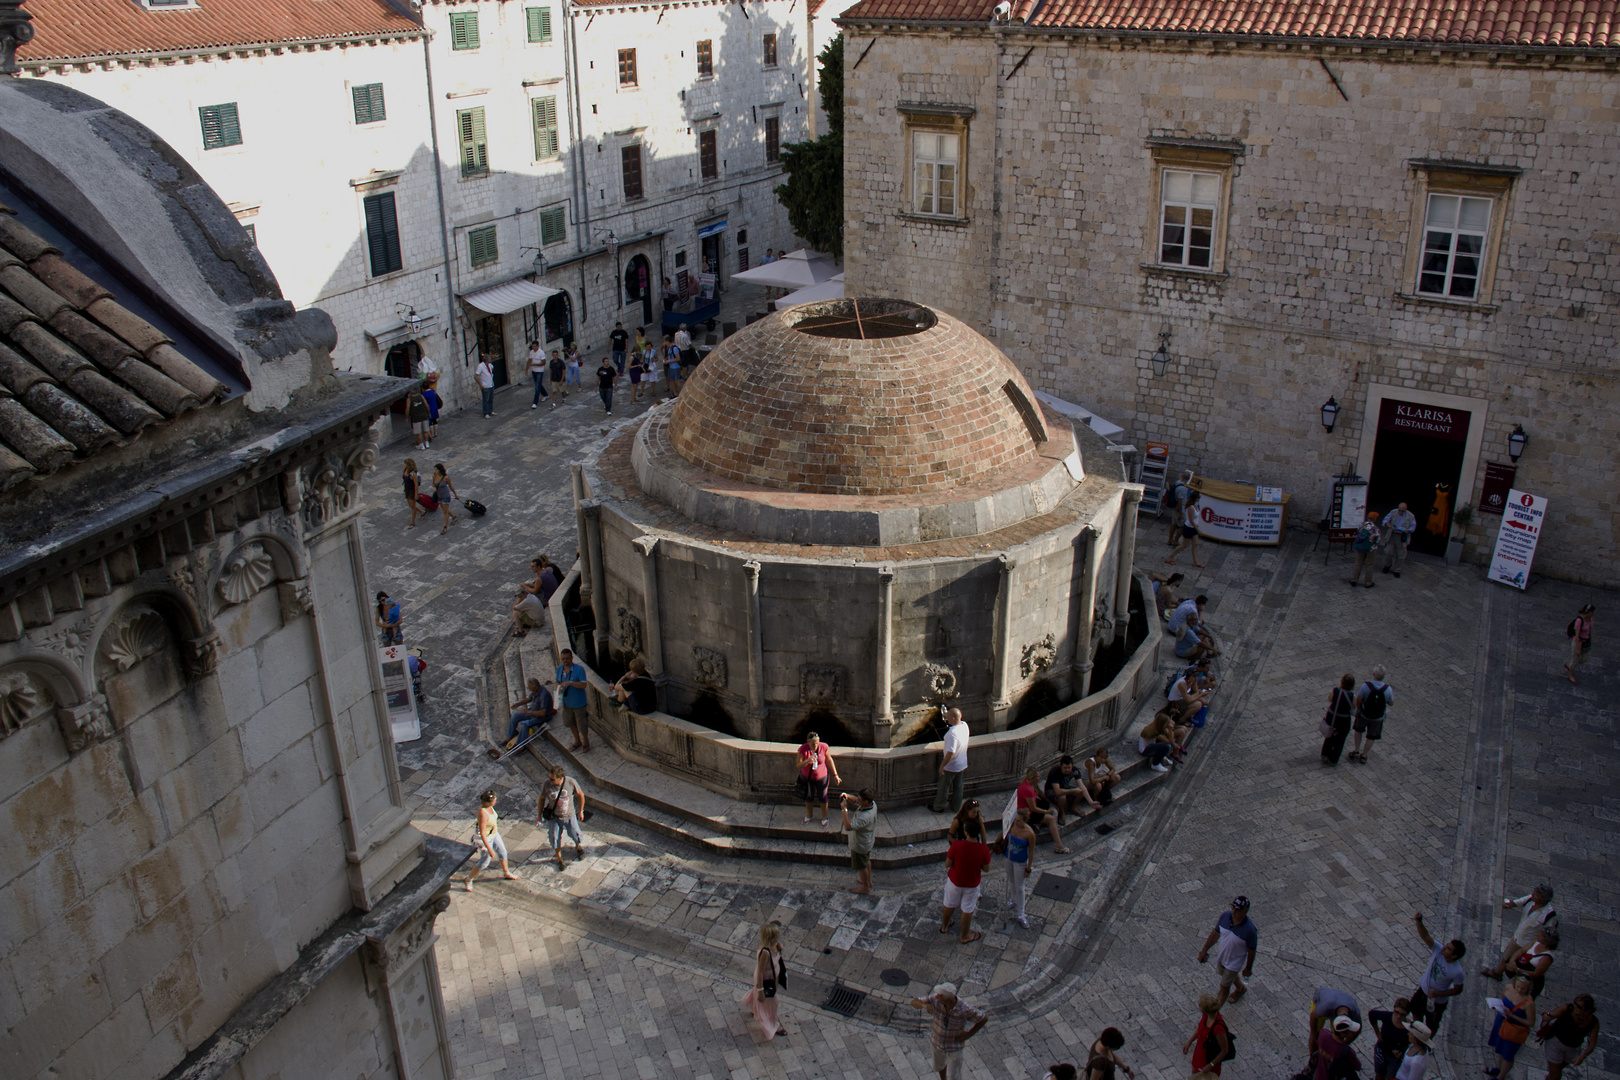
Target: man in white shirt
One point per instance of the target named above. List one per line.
(683, 342)
(485, 374)
(1538, 912)
(952, 764)
(537, 370)
(1398, 529)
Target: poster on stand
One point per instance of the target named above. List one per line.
(397, 693)
(1522, 518)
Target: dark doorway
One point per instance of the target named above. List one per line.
(398, 364)
(1418, 460)
(638, 286)
(492, 346)
(714, 249)
(558, 317)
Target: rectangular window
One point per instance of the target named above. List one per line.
(368, 104)
(742, 259)
(481, 246)
(553, 225)
(627, 67)
(934, 160)
(464, 30)
(708, 157)
(220, 126)
(1188, 205)
(630, 161)
(546, 142)
(770, 50)
(705, 57)
(382, 234)
(539, 20)
(1454, 232)
(773, 138)
(474, 148)
(253, 233)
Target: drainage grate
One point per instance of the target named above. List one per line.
(895, 977)
(844, 1001)
(1061, 889)
(1105, 828)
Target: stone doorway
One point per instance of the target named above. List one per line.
(1418, 460)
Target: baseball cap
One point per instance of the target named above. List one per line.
(1241, 903)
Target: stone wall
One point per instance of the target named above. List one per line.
(1314, 294)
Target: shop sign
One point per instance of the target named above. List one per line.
(1516, 540)
(1239, 523)
(1498, 482)
(1410, 418)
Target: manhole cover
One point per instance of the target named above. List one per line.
(844, 1001)
(1104, 829)
(1057, 888)
(895, 977)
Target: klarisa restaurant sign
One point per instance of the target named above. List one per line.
(1522, 518)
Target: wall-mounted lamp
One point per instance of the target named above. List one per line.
(540, 263)
(1161, 359)
(1516, 442)
(1330, 413)
(413, 321)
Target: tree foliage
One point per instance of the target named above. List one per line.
(814, 192)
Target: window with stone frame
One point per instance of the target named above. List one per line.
(537, 21)
(705, 59)
(1454, 231)
(1459, 214)
(463, 30)
(936, 165)
(773, 139)
(708, 155)
(630, 167)
(627, 67)
(770, 50)
(1189, 194)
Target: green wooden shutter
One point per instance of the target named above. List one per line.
(368, 104)
(481, 246)
(553, 225)
(546, 142)
(464, 29)
(220, 126)
(539, 20)
(382, 233)
(474, 148)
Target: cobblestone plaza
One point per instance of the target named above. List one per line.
(1494, 773)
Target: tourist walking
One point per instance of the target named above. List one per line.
(1515, 1018)
(965, 863)
(1238, 938)
(1442, 978)
(638, 370)
(530, 715)
(953, 1023)
(1335, 726)
(571, 359)
(1365, 543)
(416, 411)
(444, 493)
(488, 846)
(1563, 1032)
(1535, 961)
(1211, 1043)
(1398, 529)
(683, 342)
(484, 373)
(537, 372)
(1373, 700)
(1104, 1057)
(389, 620)
(411, 481)
(1020, 850)
(1538, 912)
(952, 765)
(770, 977)
(817, 772)
(619, 344)
(606, 376)
(1332, 1045)
(672, 366)
(861, 828)
(1416, 1059)
(1580, 640)
(1174, 500)
(571, 685)
(1040, 816)
(1391, 1039)
(1189, 530)
(562, 807)
(430, 393)
(557, 368)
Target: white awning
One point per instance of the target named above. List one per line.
(509, 296)
(795, 270)
(832, 289)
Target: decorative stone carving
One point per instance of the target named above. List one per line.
(629, 631)
(407, 942)
(329, 488)
(22, 698)
(199, 656)
(296, 599)
(710, 665)
(246, 572)
(1038, 656)
(940, 680)
(85, 725)
(71, 641)
(137, 634)
(821, 684)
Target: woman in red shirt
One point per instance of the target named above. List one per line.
(815, 763)
(1029, 799)
(965, 861)
(1211, 1044)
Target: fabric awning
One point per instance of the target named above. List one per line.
(509, 296)
(827, 290)
(795, 270)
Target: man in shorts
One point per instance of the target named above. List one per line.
(1065, 789)
(571, 686)
(1373, 700)
(1235, 958)
(950, 1028)
(965, 863)
(861, 826)
(1193, 640)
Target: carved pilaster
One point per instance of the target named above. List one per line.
(85, 725)
(883, 710)
(999, 703)
(755, 722)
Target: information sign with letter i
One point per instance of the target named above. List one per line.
(1522, 519)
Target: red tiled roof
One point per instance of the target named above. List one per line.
(70, 29)
(1578, 23)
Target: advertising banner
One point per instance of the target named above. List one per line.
(1240, 522)
(396, 673)
(1516, 541)
(1498, 482)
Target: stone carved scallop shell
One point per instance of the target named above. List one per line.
(134, 638)
(20, 701)
(245, 573)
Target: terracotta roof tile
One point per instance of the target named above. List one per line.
(75, 29)
(78, 371)
(1568, 23)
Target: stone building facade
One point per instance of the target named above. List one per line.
(1412, 223)
(208, 869)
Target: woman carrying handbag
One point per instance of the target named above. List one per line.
(770, 975)
(1335, 725)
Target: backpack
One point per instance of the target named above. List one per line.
(1212, 1045)
(1373, 705)
(1570, 630)
(1363, 540)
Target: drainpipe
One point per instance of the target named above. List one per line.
(1086, 608)
(998, 695)
(1129, 506)
(582, 187)
(444, 221)
(883, 714)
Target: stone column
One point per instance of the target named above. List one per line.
(1003, 647)
(404, 967)
(652, 634)
(592, 557)
(1085, 608)
(1131, 503)
(754, 723)
(577, 475)
(883, 711)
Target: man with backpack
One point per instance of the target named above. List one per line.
(1373, 700)
(1366, 542)
(1174, 499)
